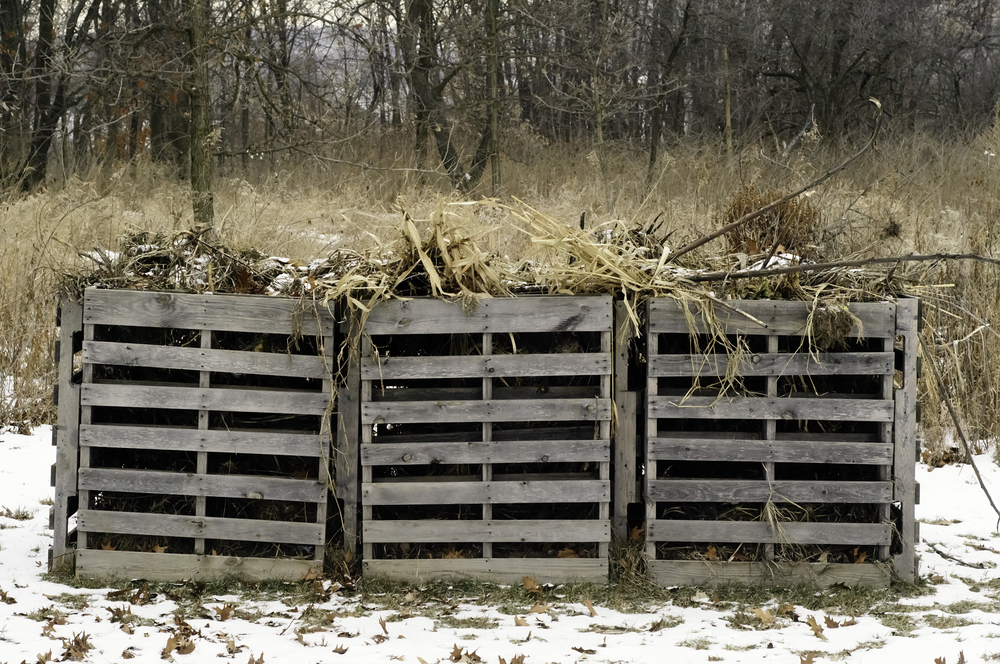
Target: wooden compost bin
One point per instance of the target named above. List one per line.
(203, 436)
(797, 472)
(485, 438)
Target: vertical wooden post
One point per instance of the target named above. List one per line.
(624, 435)
(366, 439)
(325, 436)
(487, 437)
(652, 390)
(348, 428)
(67, 432)
(605, 434)
(85, 419)
(204, 382)
(770, 432)
(904, 437)
(886, 435)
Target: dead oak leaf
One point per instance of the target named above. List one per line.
(765, 617)
(590, 607)
(531, 585)
(567, 553)
(520, 622)
(540, 608)
(806, 658)
(637, 534)
(711, 553)
(815, 627)
(340, 649)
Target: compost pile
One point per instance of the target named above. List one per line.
(440, 257)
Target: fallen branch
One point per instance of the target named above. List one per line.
(942, 390)
(857, 262)
(952, 558)
(767, 208)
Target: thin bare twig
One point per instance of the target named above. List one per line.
(859, 262)
(767, 208)
(942, 390)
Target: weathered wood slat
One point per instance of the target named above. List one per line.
(194, 440)
(513, 410)
(769, 451)
(475, 452)
(760, 491)
(781, 317)
(170, 525)
(183, 484)
(547, 393)
(196, 398)
(757, 531)
(501, 570)
(582, 313)
(203, 359)
(173, 567)
(457, 493)
(66, 433)
(486, 366)
(229, 313)
(773, 364)
(487, 531)
(539, 433)
(698, 572)
(762, 408)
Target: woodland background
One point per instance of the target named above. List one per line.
(297, 127)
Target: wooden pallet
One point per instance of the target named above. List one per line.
(761, 446)
(473, 449)
(217, 400)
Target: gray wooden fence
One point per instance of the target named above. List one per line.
(462, 431)
(797, 471)
(217, 407)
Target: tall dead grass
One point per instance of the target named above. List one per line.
(917, 193)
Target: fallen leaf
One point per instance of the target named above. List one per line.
(107, 547)
(816, 627)
(786, 609)
(531, 585)
(224, 611)
(584, 651)
(128, 654)
(806, 658)
(831, 623)
(859, 556)
(823, 556)
(766, 619)
(567, 553)
(940, 660)
(185, 646)
(961, 657)
(452, 553)
(539, 608)
(590, 607)
(380, 638)
(47, 657)
(711, 553)
(160, 549)
(381, 622)
(341, 649)
(637, 534)
(520, 622)
(259, 660)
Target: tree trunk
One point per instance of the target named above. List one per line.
(201, 121)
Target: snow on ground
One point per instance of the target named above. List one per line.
(957, 614)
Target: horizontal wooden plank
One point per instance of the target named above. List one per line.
(206, 359)
(512, 410)
(194, 440)
(179, 567)
(699, 572)
(500, 570)
(538, 432)
(476, 393)
(229, 313)
(487, 531)
(764, 408)
(773, 364)
(760, 491)
(458, 493)
(473, 452)
(184, 484)
(765, 451)
(171, 525)
(554, 313)
(759, 531)
(488, 366)
(196, 398)
(781, 317)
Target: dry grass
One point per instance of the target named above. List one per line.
(917, 194)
